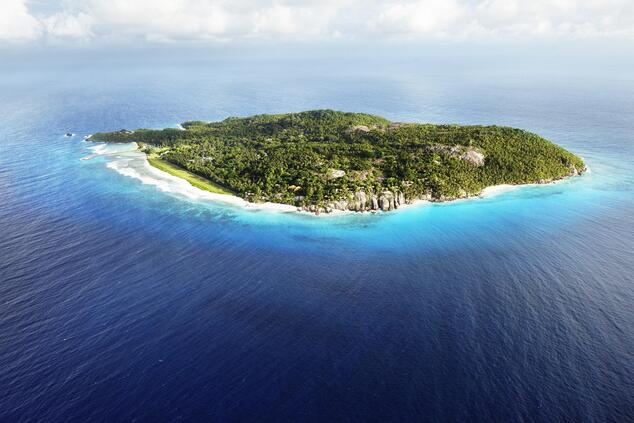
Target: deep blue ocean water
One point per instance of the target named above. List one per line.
(122, 302)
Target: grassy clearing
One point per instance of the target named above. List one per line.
(195, 180)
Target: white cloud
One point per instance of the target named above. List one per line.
(557, 18)
(16, 24)
(209, 19)
(63, 25)
(423, 17)
(173, 20)
(160, 19)
(507, 18)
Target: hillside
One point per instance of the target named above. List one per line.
(322, 160)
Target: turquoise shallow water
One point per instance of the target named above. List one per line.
(121, 301)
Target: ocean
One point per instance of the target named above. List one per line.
(124, 297)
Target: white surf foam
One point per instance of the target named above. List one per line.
(100, 149)
(498, 189)
(136, 166)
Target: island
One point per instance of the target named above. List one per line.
(323, 160)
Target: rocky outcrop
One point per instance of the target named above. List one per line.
(468, 154)
(359, 128)
(473, 156)
(362, 201)
(397, 125)
(364, 128)
(385, 200)
(335, 173)
(374, 202)
(575, 172)
(388, 200)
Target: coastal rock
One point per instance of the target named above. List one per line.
(386, 201)
(374, 202)
(341, 205)
(360, 200)
(575, 172)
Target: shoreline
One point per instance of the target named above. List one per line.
(208, 194)
(192, 191)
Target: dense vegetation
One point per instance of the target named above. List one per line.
(319, 156)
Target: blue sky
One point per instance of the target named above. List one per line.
(87, 22)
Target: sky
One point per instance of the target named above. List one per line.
(99, 22)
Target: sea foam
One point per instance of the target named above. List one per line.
(135, 165)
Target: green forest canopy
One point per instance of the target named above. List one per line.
(318, 156)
